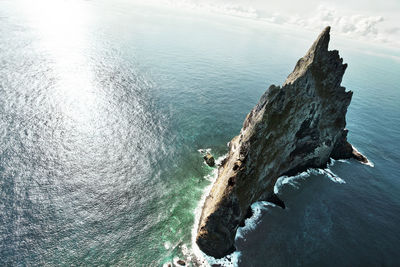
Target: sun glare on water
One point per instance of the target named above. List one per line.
(61, 27)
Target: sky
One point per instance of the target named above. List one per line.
(375, 21)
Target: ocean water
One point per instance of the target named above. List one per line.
(105, 106)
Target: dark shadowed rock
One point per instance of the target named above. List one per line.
(273, 198)
(294, 127)
(209, 159)
(249, 213)
(181, 262)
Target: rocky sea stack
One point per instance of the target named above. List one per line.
(297, 126)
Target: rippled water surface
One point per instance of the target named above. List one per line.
(104, 106)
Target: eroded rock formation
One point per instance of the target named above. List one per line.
(297, 126)
(209, 159)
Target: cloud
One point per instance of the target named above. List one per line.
(224, 8)
(355, 25)
(344, 21)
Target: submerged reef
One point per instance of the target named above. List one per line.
(297, 126)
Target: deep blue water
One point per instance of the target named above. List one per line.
(103, 108)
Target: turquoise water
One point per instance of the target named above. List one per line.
(103, 108)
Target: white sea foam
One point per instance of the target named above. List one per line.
(291, 180)
(252, 222)
(333, 177)
(167, 245)
(370, 163)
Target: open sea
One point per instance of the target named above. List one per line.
(104, 106)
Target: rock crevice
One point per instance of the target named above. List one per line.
(292, 128)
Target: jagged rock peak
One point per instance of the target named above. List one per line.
(320, 45)
(294, 127)
(316, 53)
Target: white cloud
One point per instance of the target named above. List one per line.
(355, 25)
(364, 25)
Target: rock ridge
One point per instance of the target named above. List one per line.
(292, 128)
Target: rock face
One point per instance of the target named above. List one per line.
(209, 159)
(297, 126)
